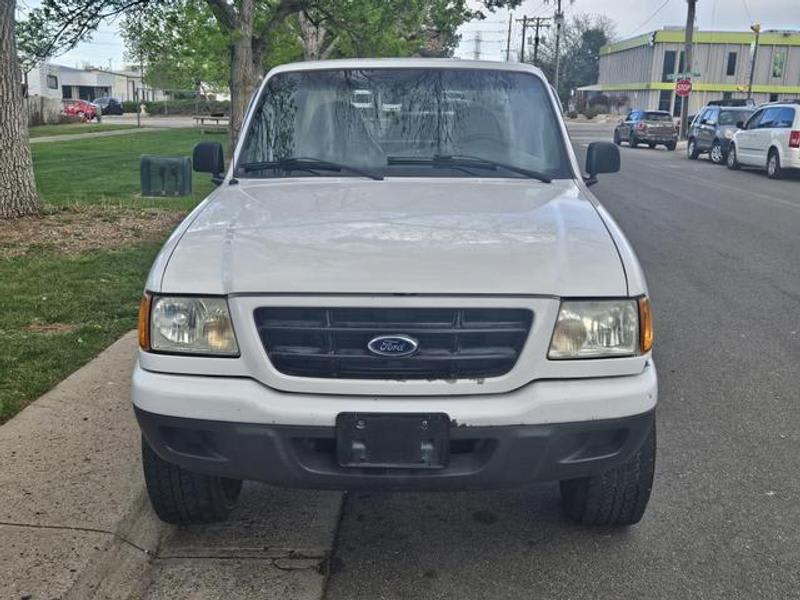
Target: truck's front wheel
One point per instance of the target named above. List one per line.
(181, 497)
(617, 497)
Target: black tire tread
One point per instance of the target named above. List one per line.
(182, 497)
(617, 497)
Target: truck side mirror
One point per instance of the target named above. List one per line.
(601, 157)
(208, 157)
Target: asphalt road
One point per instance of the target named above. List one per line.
(721, 251)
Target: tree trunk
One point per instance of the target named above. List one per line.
(17, 184)
(244, 75)
(312, 36)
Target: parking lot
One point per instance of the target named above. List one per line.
(720, 249)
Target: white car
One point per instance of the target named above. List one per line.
(770, 139)
(430, 302)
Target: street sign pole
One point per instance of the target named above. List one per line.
(757, 30)
(690, 17)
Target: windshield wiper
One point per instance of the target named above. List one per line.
(307, 163)
(465, 160)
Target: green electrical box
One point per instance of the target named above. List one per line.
(165, 175)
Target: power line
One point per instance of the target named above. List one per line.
(747, 10)
(651, 17)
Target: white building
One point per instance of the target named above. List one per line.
(61, 82)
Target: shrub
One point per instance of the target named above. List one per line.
(591, 113)
(599, 100)
(186, 106)
(572, 114)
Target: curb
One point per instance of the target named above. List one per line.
(74, 518)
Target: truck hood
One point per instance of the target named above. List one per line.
(401, 235)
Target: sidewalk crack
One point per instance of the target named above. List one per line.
(80, 529)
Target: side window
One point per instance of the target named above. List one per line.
(770, 118)
(701, 116)
(785, 118)
(52, 82)
(712, 116)
(753, 121)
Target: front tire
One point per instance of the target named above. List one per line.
(733, 161)
(774, 169)
(691, 150)
(617, 497)
(181, 497)
(671, 146)
(716, 154)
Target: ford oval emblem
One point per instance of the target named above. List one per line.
(393, 345)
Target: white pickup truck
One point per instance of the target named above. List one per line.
(411, 289)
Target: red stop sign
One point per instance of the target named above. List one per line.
(683, 87)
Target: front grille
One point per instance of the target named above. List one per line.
(453, 343)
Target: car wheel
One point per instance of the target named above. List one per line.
(774, 170)
(617, 497)
(617, 139)
(181, 497)
(691, 150)
(671, 146)
(717, 155)
(733, 161)
(633, 142)
(651, 146)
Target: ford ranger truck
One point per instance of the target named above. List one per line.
(401, 282)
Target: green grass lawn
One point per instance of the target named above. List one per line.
(58, 309)
(105, 170)
(73, 128)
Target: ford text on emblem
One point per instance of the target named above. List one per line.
(393, 345)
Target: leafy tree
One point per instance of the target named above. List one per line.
(247, 31)
(582, 38)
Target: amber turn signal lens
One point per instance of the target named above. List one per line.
(645, 325)
(144, 322)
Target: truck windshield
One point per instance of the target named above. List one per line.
(401, 122)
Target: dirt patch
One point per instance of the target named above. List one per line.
(80, 229)
(51, 327)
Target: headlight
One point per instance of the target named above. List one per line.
(190, 325)
(729, 134)
(601, 329)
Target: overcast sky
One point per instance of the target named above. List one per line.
(632, 17)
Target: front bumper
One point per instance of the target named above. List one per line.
(480, 457)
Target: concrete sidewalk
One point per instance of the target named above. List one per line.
(75, 521)
(93, 134)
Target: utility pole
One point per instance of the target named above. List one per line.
(508, 38)
(540, 24)
(757, 30)
(559, 20)
(690, 17)
(476, 53)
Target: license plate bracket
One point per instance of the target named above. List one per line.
(393, 440)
